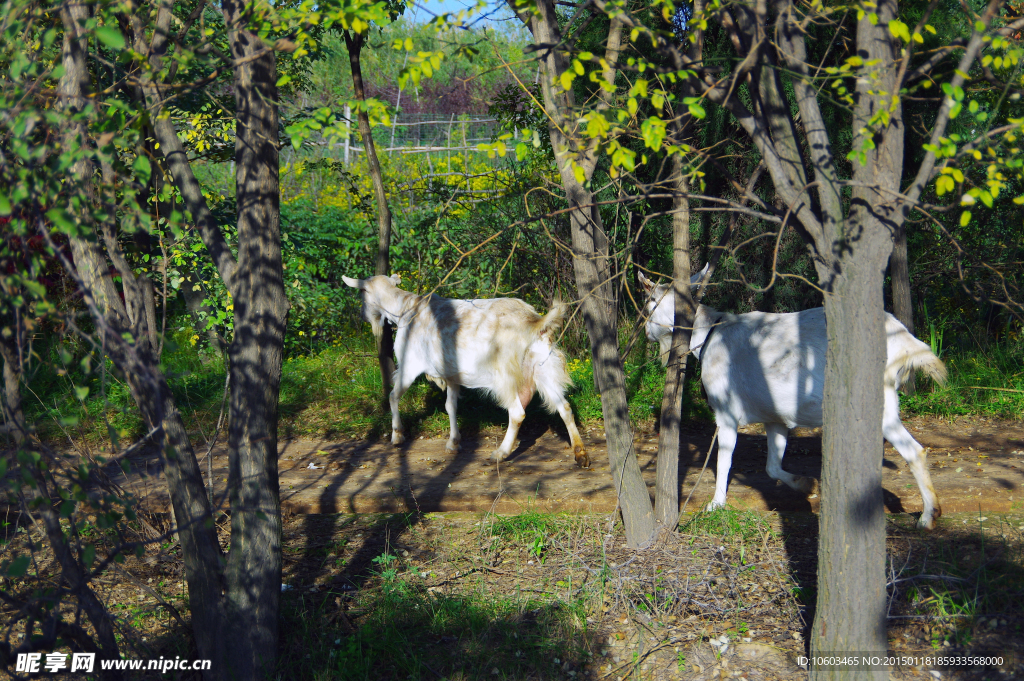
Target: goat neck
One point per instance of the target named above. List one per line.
(705, 320)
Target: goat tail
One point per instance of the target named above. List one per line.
(911, 359)
(550, 322)
(934, 367)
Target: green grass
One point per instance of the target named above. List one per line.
(524, 525)
(955, 580)
(995, 366)
(336, 392)
(728, 523)
(407, 632)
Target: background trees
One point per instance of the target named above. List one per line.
(849, 215)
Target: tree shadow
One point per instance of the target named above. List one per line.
(413, 641)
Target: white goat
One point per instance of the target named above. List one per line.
(500, 345)
(770, 368)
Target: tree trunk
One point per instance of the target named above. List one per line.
(851, 553)
(253, 570)
(72, 570)
(591, 261)
(383, 334)
(146, 383)
(666, 496)
(609, 376)
(234, 603)
(902, 308)
(850, 614)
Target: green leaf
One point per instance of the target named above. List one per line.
(61, 219)
(899, 30)
(566, 79)
(111, 37)
(284, 80)
(965, 218)
(142, 169)
(82, 392)
(89, 555)
(5, 206)
(17, 567)
(696, 110)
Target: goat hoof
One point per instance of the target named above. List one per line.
(451, 447)
(927, 522)
(396, 437)
(581, 456)
(713, 506)
(498, 455)
(807, 485)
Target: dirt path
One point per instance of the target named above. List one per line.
(976, 465)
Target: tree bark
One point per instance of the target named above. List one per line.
(666, 495)
(234, 602)
(591, 263)
(382, 333)
(902, 305)
(147, 384)
(850, 613)
(253, 570)
(72, 570)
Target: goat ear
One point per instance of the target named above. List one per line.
(354, 283)
(396, 279)
(696, 278)
(646, 283)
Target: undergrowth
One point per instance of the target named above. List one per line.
(983, 381)
(960, 585)
(438, 597)
(336, 392)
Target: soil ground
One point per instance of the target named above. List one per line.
(977, 465)
(698, 605)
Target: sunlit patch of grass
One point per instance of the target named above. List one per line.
(729, 524)
(524, 525)
(645, 385)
